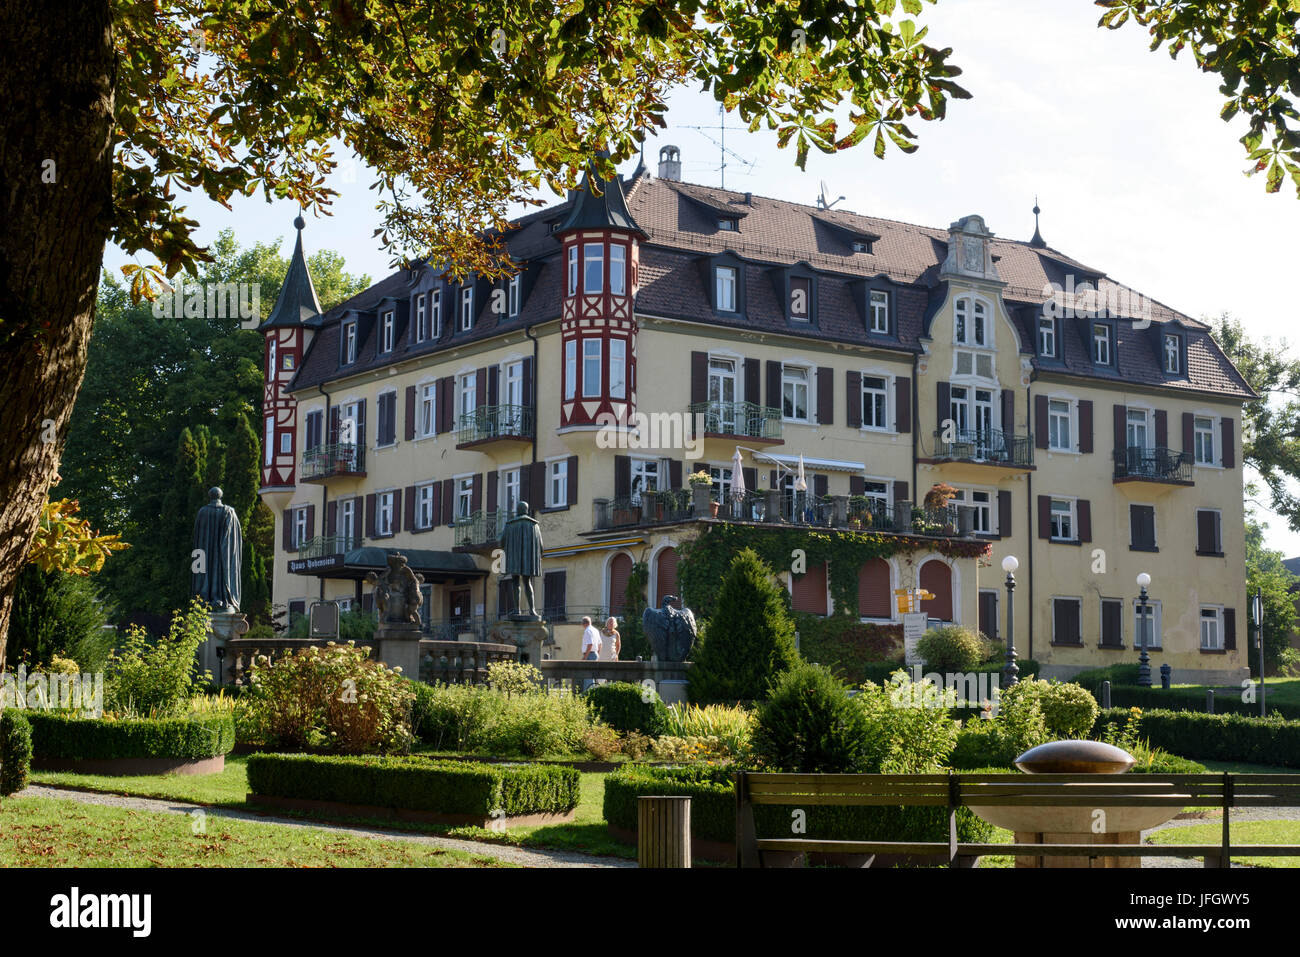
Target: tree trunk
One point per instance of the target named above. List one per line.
(57, 74)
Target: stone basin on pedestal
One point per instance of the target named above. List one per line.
(1056, 824)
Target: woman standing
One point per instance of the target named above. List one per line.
(612, 642)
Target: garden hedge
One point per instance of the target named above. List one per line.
(1125, 692)
(713, 810)
(416, 783)
(1216, 737)
(58, 736)
(623, 706)
(15, 751)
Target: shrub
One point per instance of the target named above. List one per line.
(158, 679)
(848, 646)
(731, 726)
(628, 707)
(601, 742)
(881, 672)
(1215, 737)
(750, 638)
(58, 613)
(332, 699)
(951, 648)
(810, 724)
(635, 745)
(193, 738)
(416, 783)
(1068, 710)
(15, 751)
(260, 633)
(693, 747)
(905, 740)
(479, 720)
(513, 677)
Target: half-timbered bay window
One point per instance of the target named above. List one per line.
(571, 368)
(593, 268)
(591, 349)
(617, 369)
(617, 270)
(573, 270)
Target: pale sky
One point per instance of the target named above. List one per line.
(1134, 171)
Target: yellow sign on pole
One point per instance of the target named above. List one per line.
(909, 599)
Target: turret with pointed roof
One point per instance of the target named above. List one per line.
(297, 304)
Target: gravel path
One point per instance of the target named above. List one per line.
(513, 855)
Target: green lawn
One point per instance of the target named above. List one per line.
(43, 832)
(227, 788)
(1246, 832)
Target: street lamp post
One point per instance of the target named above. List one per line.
(1144, 660)
(1011, 673)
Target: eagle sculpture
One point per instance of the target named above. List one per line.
(671, 632)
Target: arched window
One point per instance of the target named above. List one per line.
(620, 570)
(873, 590)
(809, 591)
(936, 578)
(665, 575)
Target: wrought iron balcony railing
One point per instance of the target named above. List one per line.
(323, 545)
(1155, 465)
(496, 422)
(738, 418)
(985, 445)
(341, 458)
(481, 527)
(646, 508)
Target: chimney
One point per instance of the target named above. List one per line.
(670, 163)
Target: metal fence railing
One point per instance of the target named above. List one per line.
(341, 458)
(1156, 464)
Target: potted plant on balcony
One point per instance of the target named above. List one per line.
(859, 511)
(936, 501)
(701, 484)
(626, 512)
(652, 505)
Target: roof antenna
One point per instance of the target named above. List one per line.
(721, 143)
(1037, 241)
(824, 201)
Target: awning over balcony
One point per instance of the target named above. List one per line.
(824, 465)
(436, 567)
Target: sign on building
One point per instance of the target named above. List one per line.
(324, 619)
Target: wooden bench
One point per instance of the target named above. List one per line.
(955, 790)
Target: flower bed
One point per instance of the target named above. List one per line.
(193, 745)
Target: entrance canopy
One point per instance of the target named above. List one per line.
(448, 568)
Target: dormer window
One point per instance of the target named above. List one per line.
(1047, 337)
(349, 342)
(879, 307)
(386, 327)
(593, 268)
(727, 225)
(725, 288)
(861, 246)
(466, 308)
(1173, 355)
(421, 319)
(800, 298)
(1101, 344)
(513, 289)
(971, 323)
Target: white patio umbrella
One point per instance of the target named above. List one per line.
(737, 478)
(800, 482)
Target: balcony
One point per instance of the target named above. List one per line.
(480, 528)
(647, 508)
(738, 420)
(323, 545)
(1153, 465)
(495, 423)
(988, 447)
(327, 461)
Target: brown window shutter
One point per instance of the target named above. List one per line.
(773, 398)
(902, 404)
(311, 521)
(943, 403)
(361, 423)
(370, 516)
(1044, 516)
(492, 479)
(1004, 514)
(699, 377)
(752, 374)
(675, 473)
(1084, 509)
(1121, 438)
(480, 387)
(1085, 425)
(1040, 422)
(900, 492)
(772, 479)
(751, 478)
(332, 518)
(622, 476)
(857, 485)
(408, 516)
(537, 478)
(573, 480)
(476, 492)
(334, 426)
(409, 432)
(1230, 629)
(286, 529)
(853, 396)
(448, 502)
(528, 381)
(397, 512)
(554, 597)
(1189, 433)
(821, 485)
(1009, 412)
(1162, 429)
(826, 396)
(493, 384)
(1229, 451)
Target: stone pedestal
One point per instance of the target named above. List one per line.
(224, 626)
(397, 645)
(532, 638)
(672, 690)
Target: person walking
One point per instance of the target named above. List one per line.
(591, 643)
(611, 642)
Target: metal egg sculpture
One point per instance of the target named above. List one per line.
(1075, 757)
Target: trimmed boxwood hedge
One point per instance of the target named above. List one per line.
(1126, 693)
(192, 739)
(416, 783)
(15, 751)
(1215, 737)
(713, 810)
(624, 707)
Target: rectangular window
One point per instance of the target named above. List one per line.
(465, 497)
(1101, 345)
(435, 312)
(794, 393)
(286, 443)
(557, 483)
(617, 369)
(349, 342)
(800, 299)
(879, 311)
(428, 421)
(468, 393)
(645, 477)
(386, 332)
(573, 270)
(727, 225)
(878, 494)
(1058, 426)
(466, 308)
(1112, 616)
(590, 368)
(617, 270)
(1136, 429)
(982, 504)
(725, 277)
(513, 288)
(593, 268)
(384, 514)
(1208, 533)
(1173, 355)
(1211, 628)
(510, 479)
(1063, 521)
(286, 361)
(875, 403)
(1047, 336)
(861, 246)
(1203, 435)
(1142, 527)
(315, 426)
(347, 522)
(570, 368)
(425, 496)
(1146, 624)
(1065, 621)
(421, 319)
(299, 527)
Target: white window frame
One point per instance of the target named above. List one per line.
(512, 491)
(645, 476)
(299, 527)
(617, 269)
(1072, 517)
(557, 483)
(790, 377)
(347, 519)
(427, 410)
(383, 514)
(1217, 619)
(886, 395)
(570, 369)
(464, 497)
(349, 342)
(466, 308)
(1101, 343)
(1069, 416)
(618, 368)
(1208, 434)
(727, 225)
(425, 496)
(421, 318)
(1148, 425)
(435, 312)
(1153, 605)
(990, 507)
(387, 325)
(514, 287)
(573, 269)
(729, 302)
(1047, 337)
(589, 260)
(286, 443)
(1176, 355)
(971, 316)
(592, 360)
(467, 393)
(878, 306)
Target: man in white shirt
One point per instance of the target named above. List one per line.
(590, 646)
